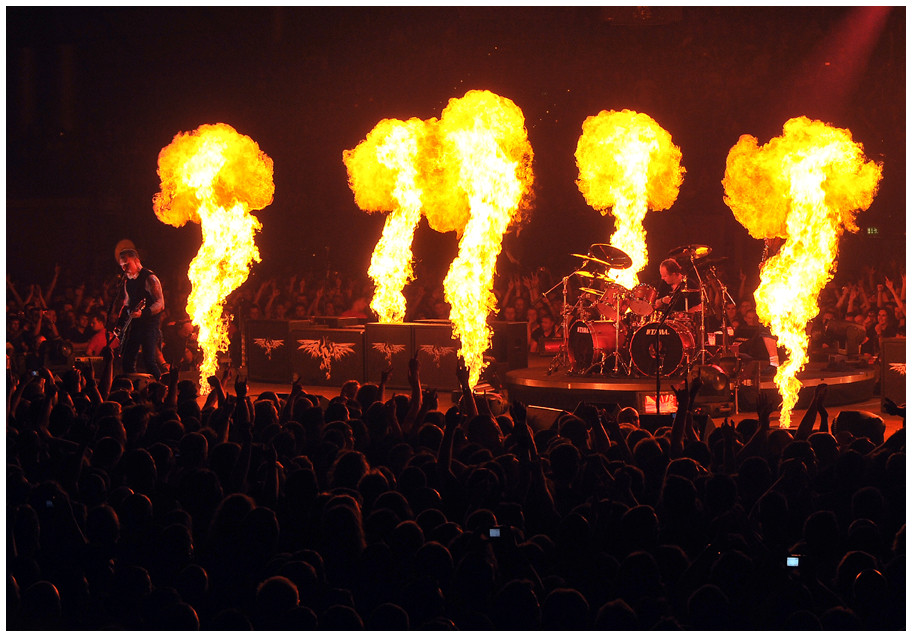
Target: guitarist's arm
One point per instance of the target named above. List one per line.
(154, 288)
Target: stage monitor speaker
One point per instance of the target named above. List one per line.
(140, 381)
(385, 345)
(510, 343)
(97, 363)
(268, 351)
(437, 351)
(893, 369)
(541, 418)
(653, 422)
(860, 423)
(326, 356)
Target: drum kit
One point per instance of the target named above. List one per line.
(611, 330)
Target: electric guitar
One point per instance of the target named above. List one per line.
(121, 331)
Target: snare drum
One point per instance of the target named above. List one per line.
(589, 340)
(676, 345)
(642, 298)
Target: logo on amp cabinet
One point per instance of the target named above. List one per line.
(388, 350)
(269, 344)
(437, 352)
(326, 351)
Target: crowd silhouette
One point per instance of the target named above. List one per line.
(132, 507)
(136, 505)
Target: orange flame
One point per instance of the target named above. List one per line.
(383, 174)
(627, 163)
(485, 135)
(214, 176)
(805, 186)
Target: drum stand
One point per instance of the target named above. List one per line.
(617, 346)
(563, 356)
(659, 355)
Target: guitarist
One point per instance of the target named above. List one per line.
(141, 311)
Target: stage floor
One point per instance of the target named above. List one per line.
(849, 390)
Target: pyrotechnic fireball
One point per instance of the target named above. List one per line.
(469, 172)
(214, 176)
(806, 187)
(383, 175)
(485, 135)
(628, 165)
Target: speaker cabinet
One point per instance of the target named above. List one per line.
(338, 322)
(510, 343)
(385, 345)
(893, 369)
(437, 350)
(267, 348)
(326, 356)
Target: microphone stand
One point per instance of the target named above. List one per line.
(726, 338)
(703, 299)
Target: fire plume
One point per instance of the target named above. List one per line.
(628, 164)
(805, 186)
(485, 136)
(214, 176)
(383, 175)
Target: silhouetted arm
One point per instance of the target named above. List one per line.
(107, 372)
(806, 426)
(445, 454)
(758, 445)
(414, 380)
(468, 399)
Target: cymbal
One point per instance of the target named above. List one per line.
(589, 257)
(614, 257)
(592, 275)
(693, 251)
(711, 261)
(591, 291)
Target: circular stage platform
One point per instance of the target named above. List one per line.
(533, 385)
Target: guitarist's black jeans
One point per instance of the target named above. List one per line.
(144, 333)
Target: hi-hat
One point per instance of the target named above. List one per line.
(692, 251)
(591, 275)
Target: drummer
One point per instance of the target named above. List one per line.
(672, 280)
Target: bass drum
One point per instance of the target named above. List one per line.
(590, 339)
(676, 345)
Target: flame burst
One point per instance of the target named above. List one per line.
(805, 186)
(214, 176)
(485, 135)
(627, 163)
(383, 175)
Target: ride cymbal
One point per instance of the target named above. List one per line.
(613, 257)
(692, 251)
